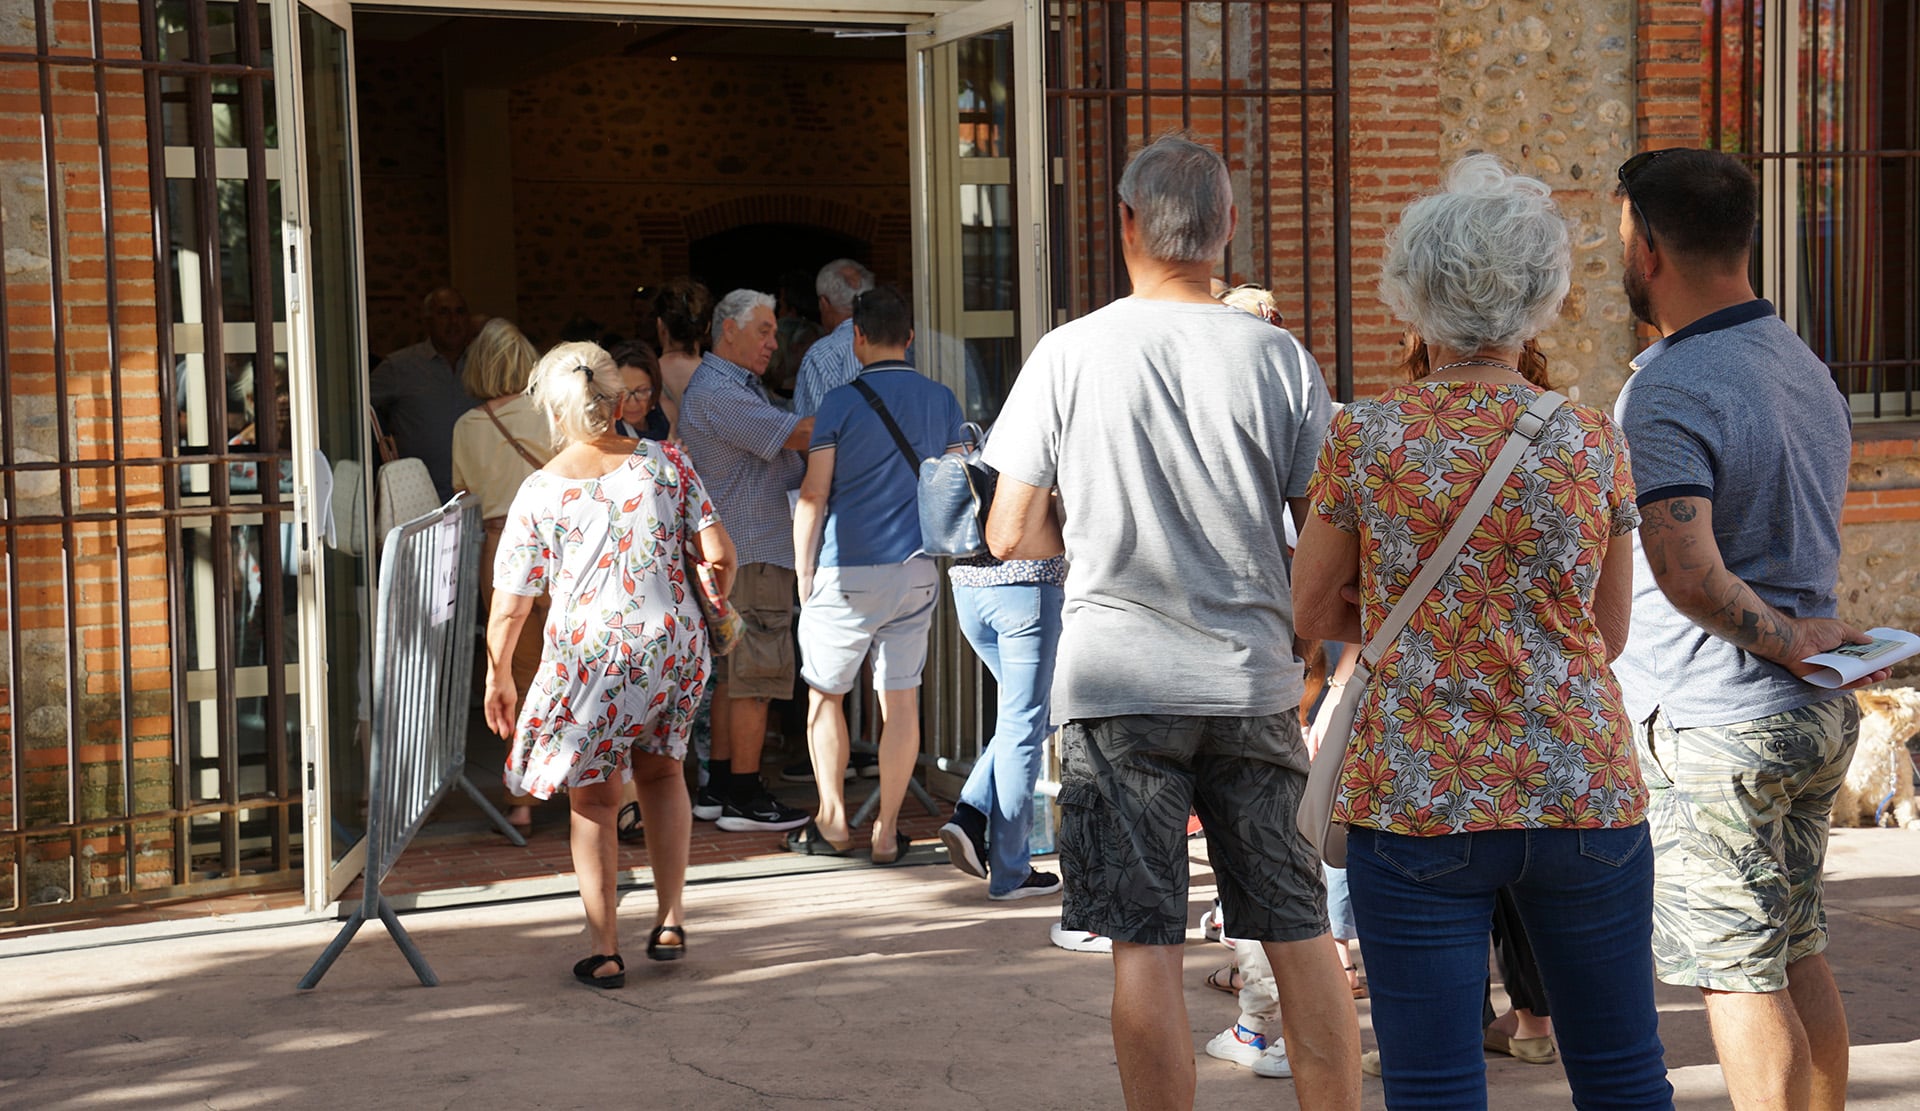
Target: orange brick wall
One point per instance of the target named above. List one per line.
(56, 229)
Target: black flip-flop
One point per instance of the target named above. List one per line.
(901, 843)
(809, 841)
(628, 824)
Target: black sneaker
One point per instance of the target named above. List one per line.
(863, 764)
(1036, 883)
(965, 836)
(760, 812)
(707, 804)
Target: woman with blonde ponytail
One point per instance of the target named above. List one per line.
(604, 530)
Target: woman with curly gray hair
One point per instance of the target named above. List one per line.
(606, 529)
(1490, 749)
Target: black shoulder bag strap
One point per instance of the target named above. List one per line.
(886, 418)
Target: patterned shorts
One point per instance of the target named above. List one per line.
(1739, 820)
(1127, 784)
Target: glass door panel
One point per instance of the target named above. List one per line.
(977, 152)
(976, 224)
(333, 377)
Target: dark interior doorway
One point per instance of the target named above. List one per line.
(753, 256)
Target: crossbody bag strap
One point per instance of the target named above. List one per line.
(1475, 511)
(886, 418)
(511, 438)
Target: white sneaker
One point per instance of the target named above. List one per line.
(1210, 922)
(1274, 1061)
(1080, 941)
(1238, 1044)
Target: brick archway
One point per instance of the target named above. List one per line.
(780, 208)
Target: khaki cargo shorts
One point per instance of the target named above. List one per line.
(1739, 820)
(761, 665)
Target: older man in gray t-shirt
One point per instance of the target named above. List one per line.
(1178, 433)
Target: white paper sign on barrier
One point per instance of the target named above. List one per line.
(447, 568)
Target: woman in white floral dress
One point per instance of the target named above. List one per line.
(604, 529)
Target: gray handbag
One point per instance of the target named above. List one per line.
(1323, 781)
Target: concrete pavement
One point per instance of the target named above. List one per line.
(859, 988)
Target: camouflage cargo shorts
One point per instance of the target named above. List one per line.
(1739, 820)
(1126, 786)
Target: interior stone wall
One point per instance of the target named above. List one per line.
(1548, 86)
(613, 156)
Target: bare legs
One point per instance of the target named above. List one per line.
(1783, 1049)
(899, 751)
(1151, 1037)
(596, 849)
(828, 744)
(1154, 1043)
(1318, 1020)
(743, 725)
(668, 816)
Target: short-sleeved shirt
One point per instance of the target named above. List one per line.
(1735, 409)
(873, 507)
(828, 364)
(733, 434)
(419, 396)
(1175, 433)
(1494, 708)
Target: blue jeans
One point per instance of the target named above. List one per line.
(1014, 630)
(1425, 908)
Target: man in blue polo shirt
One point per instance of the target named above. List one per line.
(864, 586)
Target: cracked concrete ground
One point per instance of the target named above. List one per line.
(857, 988)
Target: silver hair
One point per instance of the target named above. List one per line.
(1182, 200)
(1485, 262)
(738, 307)
(579, 388)
(840, 281)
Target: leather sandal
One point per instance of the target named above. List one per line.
(658, 950)
(627, 826)
(901, 843)
(1225, 978)
(583, 971)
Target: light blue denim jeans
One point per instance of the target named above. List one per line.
(1014, 630)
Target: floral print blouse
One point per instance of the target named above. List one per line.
(1495, 709)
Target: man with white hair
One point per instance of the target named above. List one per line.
(746, 450)
(1176, 434)
(830, 362)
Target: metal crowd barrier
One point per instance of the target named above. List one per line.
(423, 671)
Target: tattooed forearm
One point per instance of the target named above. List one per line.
(1676, 535)
(1742, 618)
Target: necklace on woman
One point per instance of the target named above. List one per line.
(1473, 362)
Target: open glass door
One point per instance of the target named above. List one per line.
(976, 121)
(330, 376)
(976, 117)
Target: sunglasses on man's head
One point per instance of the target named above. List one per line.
(1629, 170)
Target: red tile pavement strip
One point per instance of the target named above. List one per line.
(434, 863)
(465, 857)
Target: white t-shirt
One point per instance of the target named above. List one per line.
(1175, 434)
